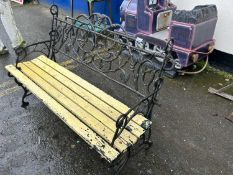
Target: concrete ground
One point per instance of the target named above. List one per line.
(190, 132)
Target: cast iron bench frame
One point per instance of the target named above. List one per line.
(63, 41)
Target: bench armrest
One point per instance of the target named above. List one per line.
(34, 50)
(150, 101)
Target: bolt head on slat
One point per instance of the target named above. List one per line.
(146, 124)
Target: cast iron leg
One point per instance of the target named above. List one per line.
(120, 162)
(53, 57)
(9, 74)
(148, 140)
(26, 94)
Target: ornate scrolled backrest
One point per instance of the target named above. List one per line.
(107, 49)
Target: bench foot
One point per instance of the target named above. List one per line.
(147, 140)
(120, 162)
(149, 144)
(25, 105)
(9, 75)
(26, 94)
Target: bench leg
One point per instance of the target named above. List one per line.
(120, 162)
(53, 57)
(26, 94)
(147, 139)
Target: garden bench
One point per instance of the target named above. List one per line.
(112, 128)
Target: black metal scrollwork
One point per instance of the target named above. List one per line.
(107, 49)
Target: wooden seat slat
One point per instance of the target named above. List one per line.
(88, 135)
(85, 105)
(120, 144)
(121, 107)
(98, 103)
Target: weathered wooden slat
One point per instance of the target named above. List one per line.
(85, 105)
(139, 119)
(98, 103)
(221, 94)
(82, 114)
(75, 124)
(230, 118)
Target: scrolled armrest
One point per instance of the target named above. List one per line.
(124, 119)
(32, 51)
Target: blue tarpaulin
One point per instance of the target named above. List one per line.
(80, 6)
